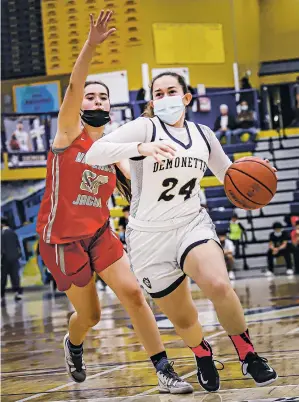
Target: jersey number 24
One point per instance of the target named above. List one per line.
(171, 183)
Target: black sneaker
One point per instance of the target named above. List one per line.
(171, 383)
(256, 367)
(18, 296)
(207, 373)
(74, 362)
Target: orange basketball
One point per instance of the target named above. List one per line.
(250, 183)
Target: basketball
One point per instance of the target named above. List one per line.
(250, 183)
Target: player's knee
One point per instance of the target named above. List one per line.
(93, 318)
(219, 289)
(133, 296)
(186, 321)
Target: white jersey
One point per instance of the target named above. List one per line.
(170, 191)
(22, 138)
(164, 195)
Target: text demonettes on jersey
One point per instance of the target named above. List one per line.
(180, 162)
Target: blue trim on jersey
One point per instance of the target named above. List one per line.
(140, 158)
(154, 131)
(189, 145)
(203, 137)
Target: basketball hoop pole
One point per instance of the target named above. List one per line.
(146, 81)
(280, 128)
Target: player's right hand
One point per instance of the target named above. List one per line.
(157, 150)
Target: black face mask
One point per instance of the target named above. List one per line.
(95, 118)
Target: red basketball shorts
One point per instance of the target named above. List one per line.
(75, 263)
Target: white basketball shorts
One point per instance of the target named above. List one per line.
(157, 258)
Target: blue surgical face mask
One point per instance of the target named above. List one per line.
(169, 109)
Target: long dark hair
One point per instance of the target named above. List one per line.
(122, 183)
(149, 112)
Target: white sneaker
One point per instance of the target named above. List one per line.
(269, 274)
(171, 383)
(232, 275)
(290, 272)
(74, 363)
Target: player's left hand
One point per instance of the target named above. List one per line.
(99, 31)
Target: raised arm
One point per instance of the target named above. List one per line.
(69, 114)
(128, 141)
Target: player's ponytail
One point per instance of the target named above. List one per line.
(123, 185)
(148, 111)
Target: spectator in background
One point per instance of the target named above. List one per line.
(229, 251)
(123, 220)
(224, 124)
(248, 97)
(278, 246)
(10, 254)
(236, 232)
(245, 122)
(295, 246)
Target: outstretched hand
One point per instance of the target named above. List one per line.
(99, 31)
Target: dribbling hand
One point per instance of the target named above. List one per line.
(99, 31)
(157, 150)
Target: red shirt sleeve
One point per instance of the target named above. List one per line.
(293, 236)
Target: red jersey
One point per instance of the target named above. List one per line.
(74, 205)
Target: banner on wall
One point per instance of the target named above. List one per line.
(27, 140)
(37, 98)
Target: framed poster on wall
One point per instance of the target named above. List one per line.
(40, 97)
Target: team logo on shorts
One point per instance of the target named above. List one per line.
(147, 282)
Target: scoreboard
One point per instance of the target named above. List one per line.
(22, 41)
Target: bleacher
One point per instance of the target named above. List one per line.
(258, 223)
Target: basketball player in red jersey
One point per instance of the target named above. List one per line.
(73, 222)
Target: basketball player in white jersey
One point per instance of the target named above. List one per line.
(169, 234)
(22, 137)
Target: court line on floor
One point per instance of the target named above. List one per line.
(61, 370)
(196, 393)
(69, 384)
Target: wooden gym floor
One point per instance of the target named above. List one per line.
(118, 368)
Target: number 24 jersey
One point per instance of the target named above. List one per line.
(170, 192)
